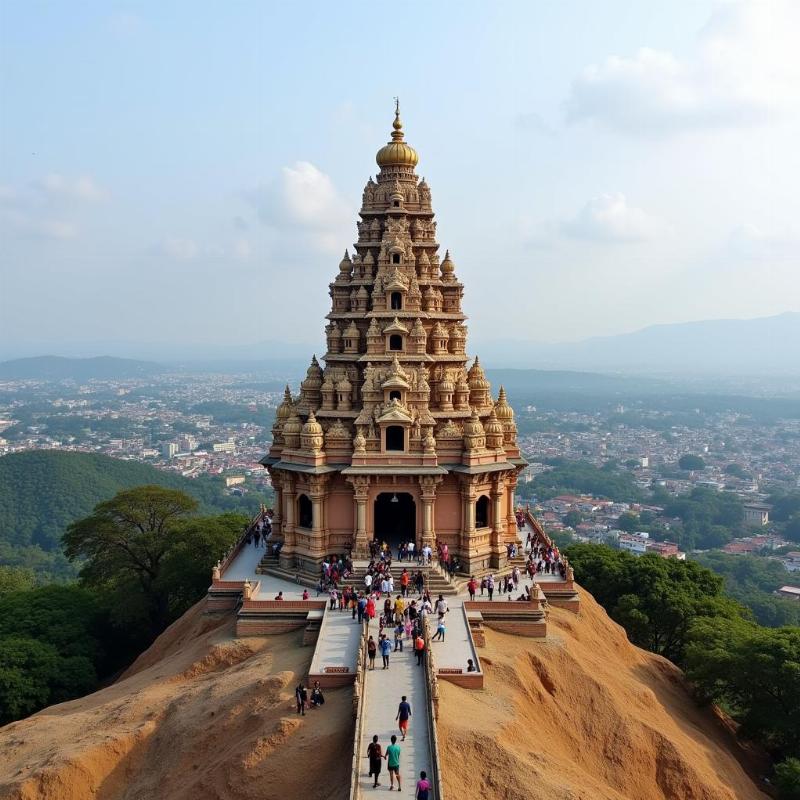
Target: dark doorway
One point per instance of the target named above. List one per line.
(396, 342)
(395, 518)
(305, 515)
(482, 512)
(396, 438)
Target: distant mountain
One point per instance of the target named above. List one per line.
(531, 381)
(54, 368)
(766, 345)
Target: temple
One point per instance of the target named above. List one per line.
(398, 436)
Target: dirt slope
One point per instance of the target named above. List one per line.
(199, 716)
(584, 716)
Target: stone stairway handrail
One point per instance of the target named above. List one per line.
(432, 710)
(359, 704)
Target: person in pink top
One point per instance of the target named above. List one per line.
(423, 791)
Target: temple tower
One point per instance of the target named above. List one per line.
(398, 437)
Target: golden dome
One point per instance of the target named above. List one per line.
(397, 153)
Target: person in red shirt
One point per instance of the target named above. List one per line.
(472, 587)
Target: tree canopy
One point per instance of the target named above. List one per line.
(691, 462)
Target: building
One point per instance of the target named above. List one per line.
(792, 592)
(397, 437)
(224, 447)
(169, 450)
(756, 515)
(635, 543)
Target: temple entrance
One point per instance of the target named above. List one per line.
(395, 518)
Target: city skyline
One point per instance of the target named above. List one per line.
(627, 165)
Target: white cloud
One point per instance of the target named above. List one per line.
(752, 242)
(743, 70)
(609, 218)
(27, 226)
(304, 200)
(81, 188)
(180, 249)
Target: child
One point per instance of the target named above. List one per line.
(423, 791)
(440, 629)
(398, 637)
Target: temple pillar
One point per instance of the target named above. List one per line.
(288, 496)
(511, 519)
(360, 546)
(467, 545)
(428, 484)
(277, 506)
(498, 552)
(318, 487)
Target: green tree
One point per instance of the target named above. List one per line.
(657, 600)
(691, 462)
(787, 779)
(27, 671)
(15, 579)
(572, 518)
(755, 672)
(125, 542)
(628, 522)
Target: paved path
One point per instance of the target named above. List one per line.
(384, 688)
(338, 643)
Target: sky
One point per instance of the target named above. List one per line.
(190, 172)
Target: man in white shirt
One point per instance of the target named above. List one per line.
(368, 582)
(441, 605)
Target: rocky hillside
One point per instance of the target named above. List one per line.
(204, 716)
(199, 716)
(585, 716)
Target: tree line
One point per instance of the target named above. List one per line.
(144, 557)
(680, 610)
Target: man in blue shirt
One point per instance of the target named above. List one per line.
(386, 648)
(403, 715)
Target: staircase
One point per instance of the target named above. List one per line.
(435, 582)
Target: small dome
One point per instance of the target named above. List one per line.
(344, 385)
(502, 409)
(312, 427)
(293, 425)
(493, 425)
(397, 153)
(447, 266)
(285, 408)
(346, 265)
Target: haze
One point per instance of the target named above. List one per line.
(190, 173)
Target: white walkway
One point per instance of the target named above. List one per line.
(384, 688)
(337, 645)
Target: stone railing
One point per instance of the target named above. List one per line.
(227, 557)
(432, 707)
(359, 702)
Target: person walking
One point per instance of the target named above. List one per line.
(403, 716)
(301, 695)
(386, 648)
(419, 649)
(490, 585)
(375, 755)
(472, 587)
(361, 608)
(398, 636)
(423, 790)
(440, 630)
(369, 610)
(372, 648)
(392, 757)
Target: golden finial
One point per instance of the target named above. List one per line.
(397, 152)
(397, 124)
